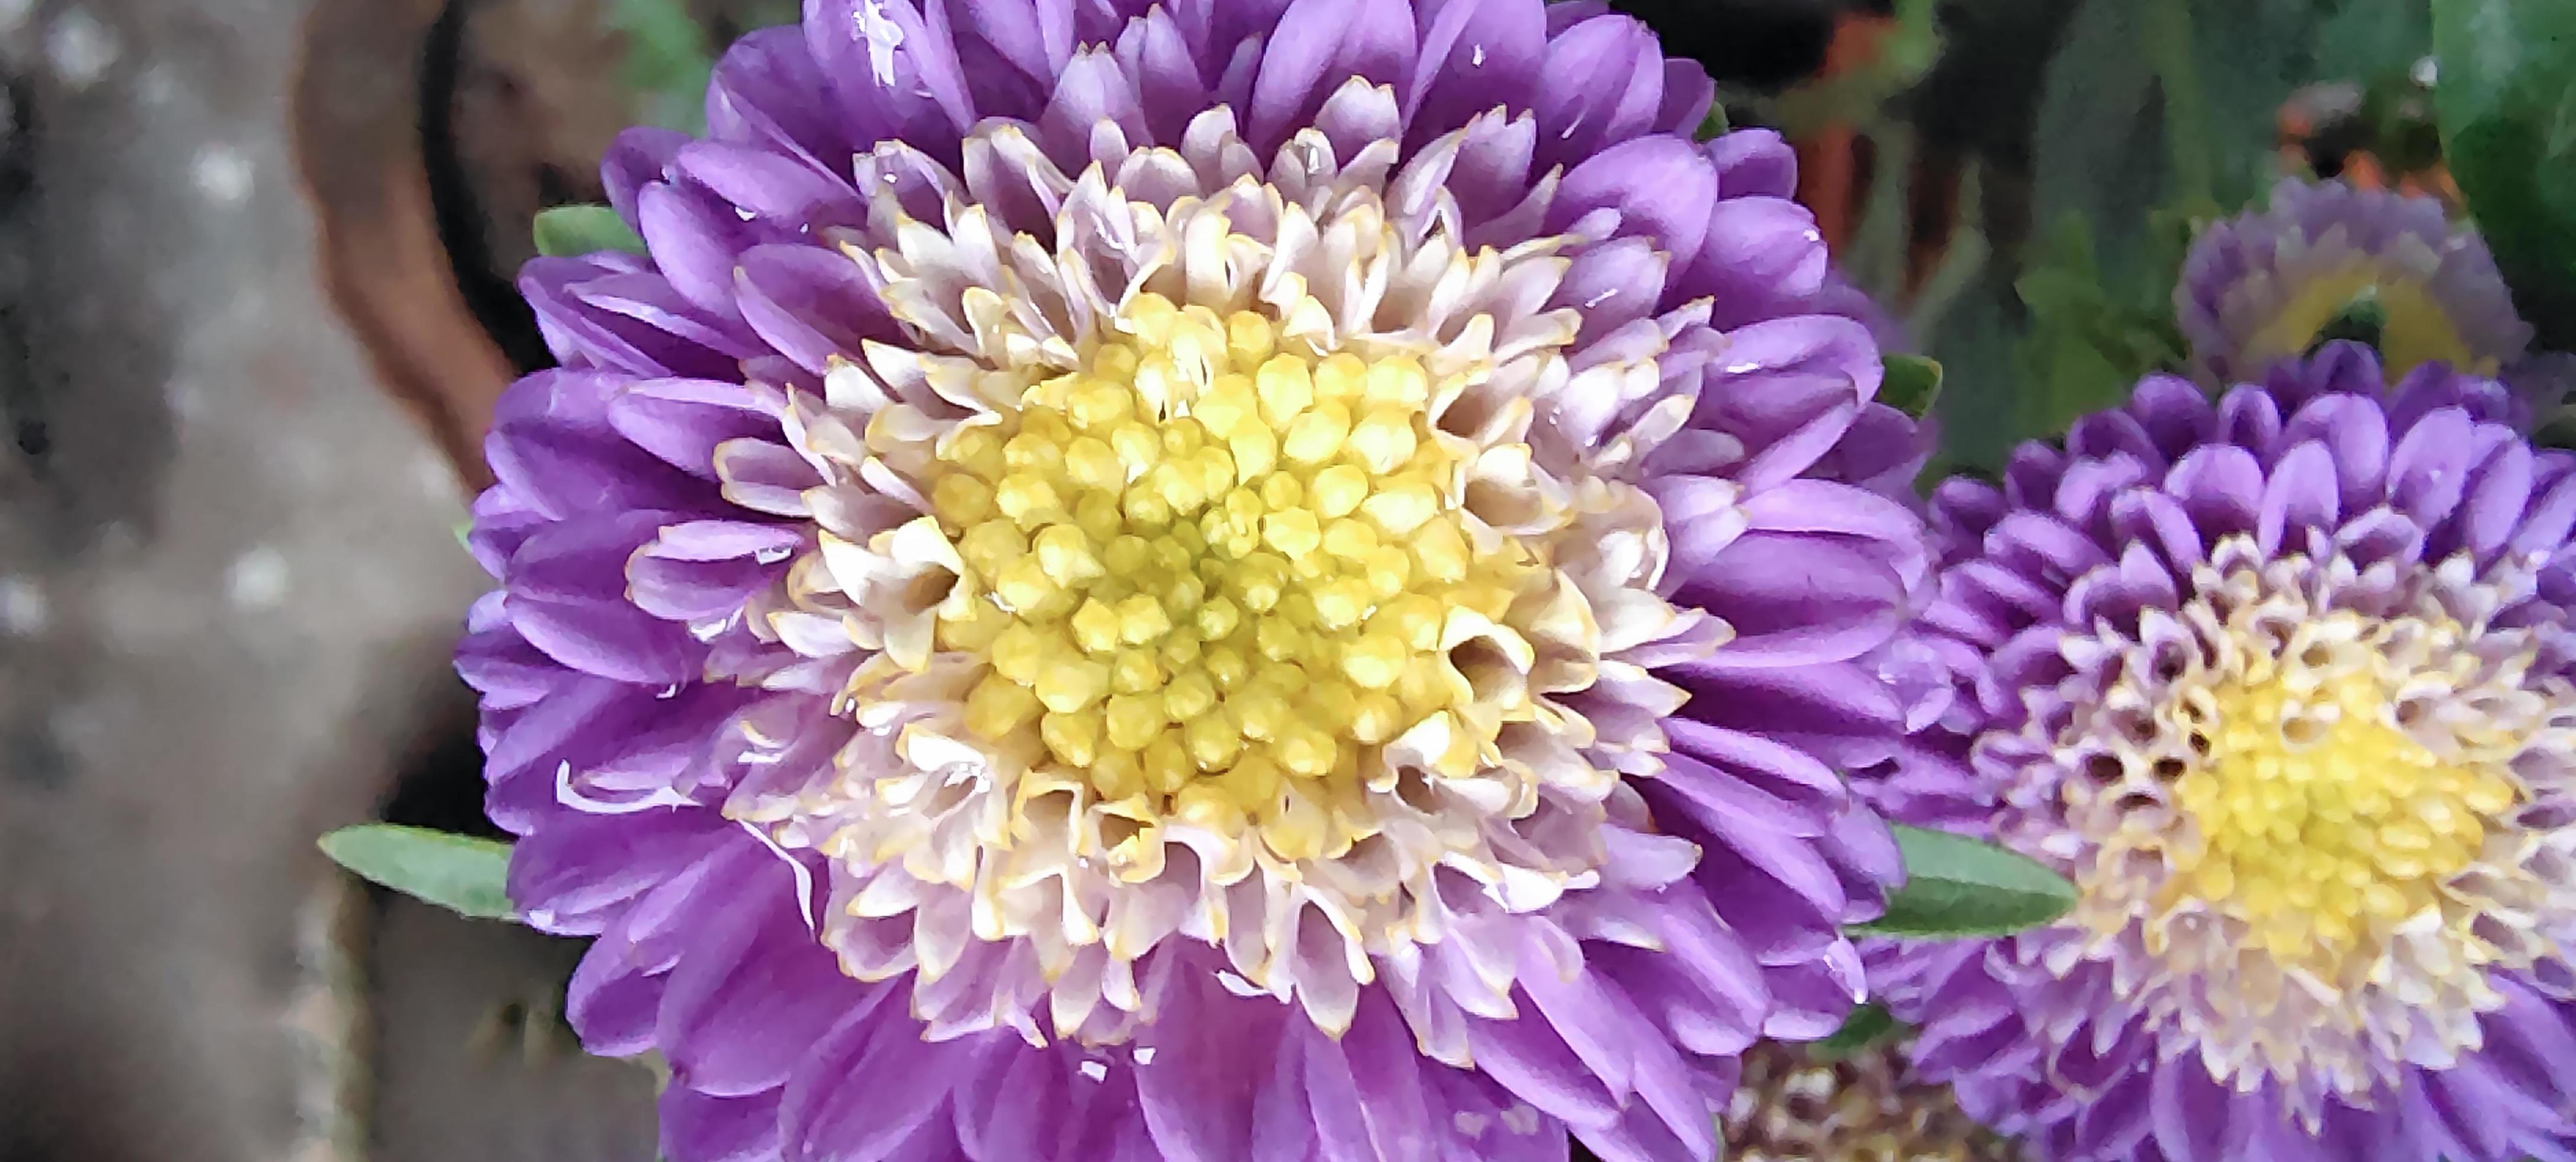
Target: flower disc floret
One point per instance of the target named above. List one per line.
(1205, 571)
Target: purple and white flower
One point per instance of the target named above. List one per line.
(2285, 683)
(1223, 580)
(2269, 284)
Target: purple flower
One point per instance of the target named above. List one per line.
(2282, 682)
(2267, 286)
(1231, 580)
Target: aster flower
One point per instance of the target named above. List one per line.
(2269, 285)
(1225, 580)
(2282, 682)
(1792, 1107)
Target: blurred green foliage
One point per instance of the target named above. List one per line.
(671, 51)
(2090, 337)
(2153, 118)
(2507, 107)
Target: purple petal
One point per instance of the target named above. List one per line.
(810, 304)
(2356, 431)
(698, 1127)
(2499, 490)
(763, 95)
(1763, 257)
(762, 182)
(1754, 163)
(682, 421)
(1660, 186)
(1794, 599)
(2220, 486)
(747, 999)
(1315, 46)
(1197, 1099)
(1531, 1059)
(639, 156)
(1601, 83)
(2301, 495)
(693, 244)
(583, 864)
(2429, 470)
(1474, 54)
(2174, 412)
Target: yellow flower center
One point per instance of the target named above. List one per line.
(2414, 329)
(2322, 822)
(1213, 571)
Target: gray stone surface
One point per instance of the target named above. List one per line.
(227, 588)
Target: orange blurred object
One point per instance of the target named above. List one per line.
(1833, 161)
(2317, 134)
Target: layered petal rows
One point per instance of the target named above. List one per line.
(967, 318)
(2284, 681)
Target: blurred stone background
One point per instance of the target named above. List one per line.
(228, 582)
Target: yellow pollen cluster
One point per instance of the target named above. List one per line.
(2321, 822)
(1216, 572)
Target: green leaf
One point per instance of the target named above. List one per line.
(1912, 385)
(1715, 124)
(2506, 103)
(456, 872)
(573, 231)
(1956, 887)
(1864, 1029)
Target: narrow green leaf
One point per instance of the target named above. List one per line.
(573, 231)
(1864, 1029)
(1912, 385)
(1956, 886)
(2505, 98)
(456, 872)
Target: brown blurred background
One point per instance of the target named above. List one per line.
(241, 257)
